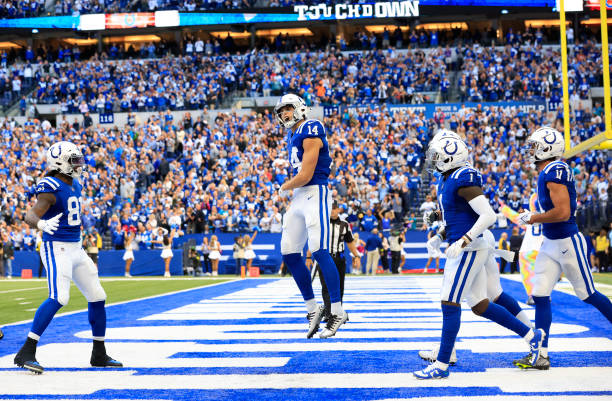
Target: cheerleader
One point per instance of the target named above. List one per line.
(215, 254)
(249, 254)
(167, 251)
(128, 256)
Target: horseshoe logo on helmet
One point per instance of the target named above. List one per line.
(448, 152)
(554, 138)
(59, 151)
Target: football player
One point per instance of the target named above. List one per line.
(466, 213)
(57, 213)
(564, 248)
(307, 218)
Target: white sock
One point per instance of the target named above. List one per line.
(544, 352)
(529, 336)
(311, 305)
(34, 336)
(440, 365)
(336, 309)
(98, 338)
(522, 316)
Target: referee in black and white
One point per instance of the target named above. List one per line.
(340, 233)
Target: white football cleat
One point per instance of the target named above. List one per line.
(333, 324)
(432, 355)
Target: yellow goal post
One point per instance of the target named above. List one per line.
(602, 140)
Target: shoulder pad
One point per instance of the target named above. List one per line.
(47, 185)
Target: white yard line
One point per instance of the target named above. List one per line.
(125, 302)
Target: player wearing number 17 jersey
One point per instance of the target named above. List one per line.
(307, 218)
(57, 212)
(563, 247)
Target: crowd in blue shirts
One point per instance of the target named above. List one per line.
(222, 175)
(526, 73)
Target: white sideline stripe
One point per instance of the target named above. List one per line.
(280, 331)
(127, 302)
(141, 355)
(585, 379)
(23, 289)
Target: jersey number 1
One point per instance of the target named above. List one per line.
(74, 211)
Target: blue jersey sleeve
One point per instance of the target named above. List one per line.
(47, 185)
(313, 129)
(559, 173)
(468, 177)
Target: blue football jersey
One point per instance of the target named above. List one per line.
(310, 129)
(67, 202)
(560, 173)
(456, 211)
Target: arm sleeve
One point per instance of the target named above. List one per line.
(486, 216)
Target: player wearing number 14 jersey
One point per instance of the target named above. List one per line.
(57, 213)
(307, 218)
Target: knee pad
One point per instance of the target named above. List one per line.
(63, 299)
(98, 295)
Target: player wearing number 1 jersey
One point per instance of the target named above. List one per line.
(307, 218)
(57, 212)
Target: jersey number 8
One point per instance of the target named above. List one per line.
(74, 211)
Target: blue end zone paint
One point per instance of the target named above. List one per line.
(566, 309)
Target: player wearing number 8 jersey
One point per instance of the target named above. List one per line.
(57, 212)
(307, 218)
(564, 248)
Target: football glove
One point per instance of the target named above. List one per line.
(524, 218)
(49, 226)
(455, 249)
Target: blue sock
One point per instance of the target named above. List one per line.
(543, 317)
(300, 273)
(97, 318)
(44, 315)
(504, 318)
(451, 320)
(329, 272)
(509, 303)
(602, 303)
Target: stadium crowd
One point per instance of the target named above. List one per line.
(199, 176)
(207, 71)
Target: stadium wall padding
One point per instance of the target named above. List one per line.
(266, 247)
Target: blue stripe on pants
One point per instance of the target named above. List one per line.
(587, 262)
(49, 277)
(580, 265)
(465, 276)
(322, 230)
(457, 274)
(54, 270)
(327, 227)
